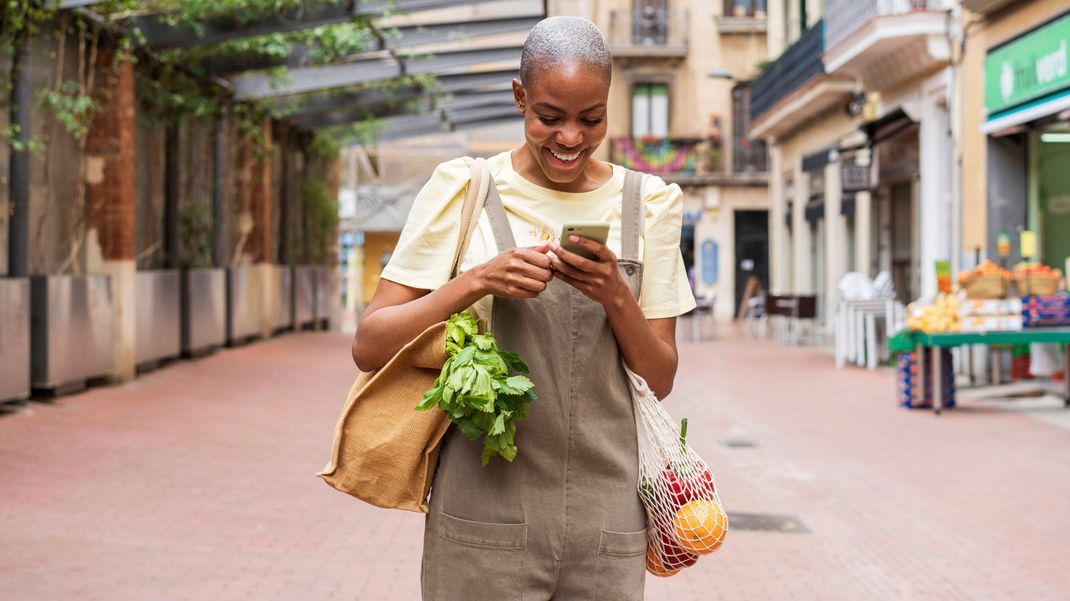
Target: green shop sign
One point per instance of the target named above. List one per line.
(1034, 65)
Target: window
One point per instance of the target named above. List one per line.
(650, 110)
(744, 8)
(747, 155)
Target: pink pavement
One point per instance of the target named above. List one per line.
(197, 482)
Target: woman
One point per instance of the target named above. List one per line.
(563, 521)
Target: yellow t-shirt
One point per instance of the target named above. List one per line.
(424, 252)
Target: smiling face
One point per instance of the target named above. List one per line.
(564, 122)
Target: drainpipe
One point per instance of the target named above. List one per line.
(21, 114)
(218, 187)
(285, 200)
(170, 198)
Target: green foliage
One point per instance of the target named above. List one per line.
(477, 390)
(196, 234)
(71, 108)
(321, 220)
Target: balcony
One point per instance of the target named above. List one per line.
(984, 7)
(886, 43)
(743, 16)
(683, 161)
(648, 33)
(796, 88)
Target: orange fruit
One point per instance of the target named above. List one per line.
(700, 526)
(653, 564)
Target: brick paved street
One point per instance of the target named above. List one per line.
(196, 482)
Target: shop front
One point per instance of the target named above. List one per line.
(1027, 128)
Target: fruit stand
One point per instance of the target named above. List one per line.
(940, 341)
(982, 312)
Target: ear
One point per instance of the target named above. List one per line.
(518, 95)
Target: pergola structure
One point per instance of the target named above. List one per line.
(472, 77)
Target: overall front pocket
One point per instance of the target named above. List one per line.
(478, 561)
(620, 569)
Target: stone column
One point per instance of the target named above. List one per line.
(110, 199)
(935, 195)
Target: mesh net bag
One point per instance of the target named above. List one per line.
(685, 518)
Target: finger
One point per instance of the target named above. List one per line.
(529, 284)
(560, 266)
(600, 250)
(530, 270)
(534, 256)
(541, 247)
(580, 262)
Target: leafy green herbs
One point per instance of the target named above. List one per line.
(476, 389)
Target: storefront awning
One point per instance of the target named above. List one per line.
(1031, 111)
(888, 127)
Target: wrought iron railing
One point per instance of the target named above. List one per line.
(844, 17)
(647, 27)
(800, 62)
(744, 8)
(668, 156)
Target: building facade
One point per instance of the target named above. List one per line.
(678, 108)
(1016, 134)
(857, 112)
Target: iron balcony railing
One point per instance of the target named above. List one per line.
(647, 29)
(668, 156)
(749, 156)
(744, 8)
(845, 17)
(796, 66)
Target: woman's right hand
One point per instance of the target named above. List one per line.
(516, 273)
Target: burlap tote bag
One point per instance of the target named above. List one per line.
(385, 452)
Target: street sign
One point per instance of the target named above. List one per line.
(709, 262)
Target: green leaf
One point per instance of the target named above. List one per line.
(499, 425)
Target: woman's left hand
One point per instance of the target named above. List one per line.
(599, 279)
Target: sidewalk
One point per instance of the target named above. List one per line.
(196, 482)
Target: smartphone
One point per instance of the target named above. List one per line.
(593, 230)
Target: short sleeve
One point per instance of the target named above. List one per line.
(424, 252)
(666, 291)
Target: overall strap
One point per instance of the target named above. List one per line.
(499, 222)
(631, 215)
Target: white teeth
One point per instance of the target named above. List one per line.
(565, 157)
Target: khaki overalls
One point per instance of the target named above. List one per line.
(563, 521)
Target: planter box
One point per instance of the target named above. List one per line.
(304, 295)
(204, 310)
(284, 292)
(72, 330)
(14, 338)
(323, 297)
(159, 316)
(243, 304)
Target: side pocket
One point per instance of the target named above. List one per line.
(477, 561)
(620, 569)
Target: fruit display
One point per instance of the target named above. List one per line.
(941, 316)
(1036, 279)
(987, 280)
(990, 315)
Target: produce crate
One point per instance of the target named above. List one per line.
(1037, 285)
(909, 379)
(985, 286)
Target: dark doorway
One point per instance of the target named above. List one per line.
(752, 251)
